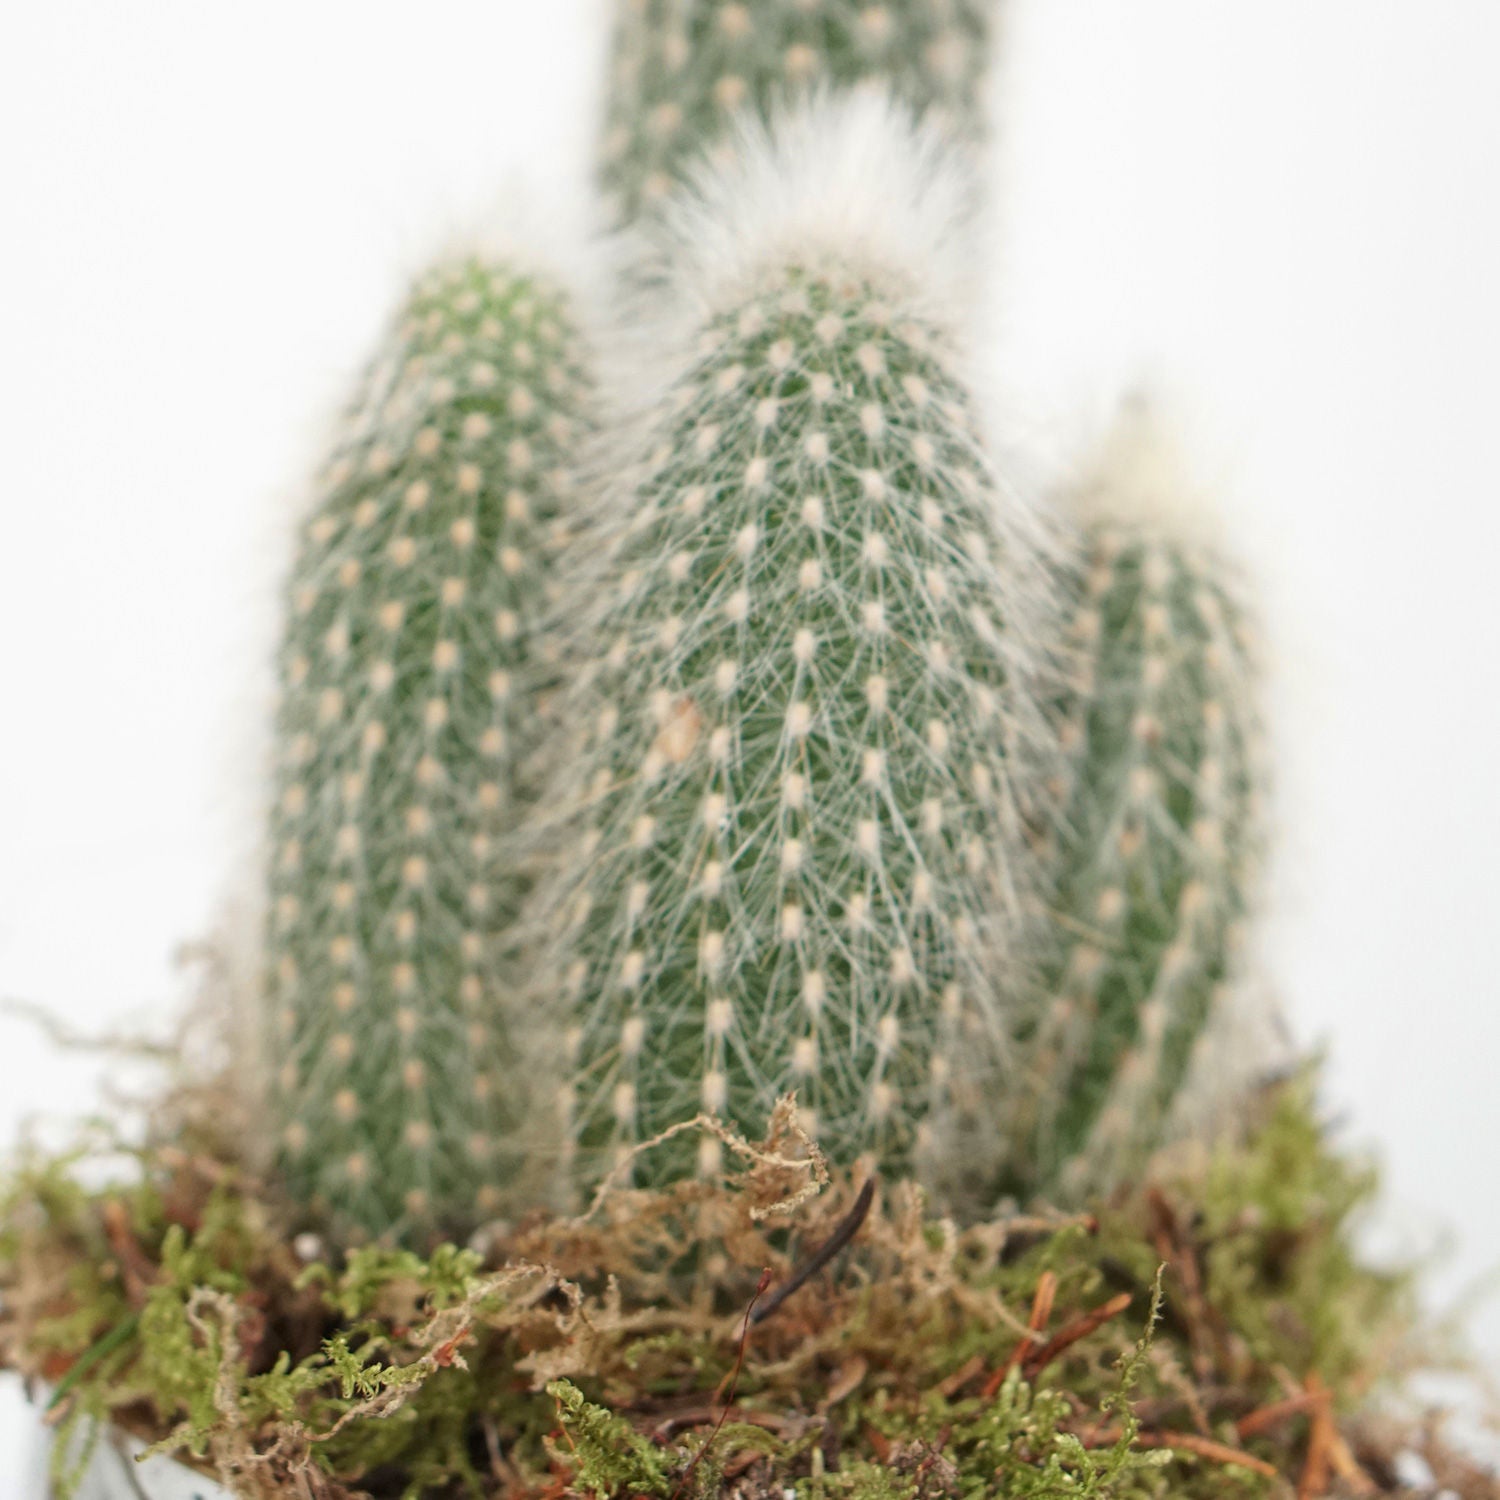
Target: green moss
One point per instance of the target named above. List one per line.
(593, 1356)
(610, 1457)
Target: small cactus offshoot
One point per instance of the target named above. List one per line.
(411, 675)
(1159, 835)
(682, 69)
(800, 863)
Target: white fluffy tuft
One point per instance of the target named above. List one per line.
(551, 231)
(845, 182)
(1138, 476)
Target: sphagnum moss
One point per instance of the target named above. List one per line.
(594, 1356)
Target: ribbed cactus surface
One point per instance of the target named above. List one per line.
(411, 674)
(681, 69)
(799, 865)
(1157, 846)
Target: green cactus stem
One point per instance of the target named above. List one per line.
(682, 69)
(411, 674)
(1159, 838)
(800, 862)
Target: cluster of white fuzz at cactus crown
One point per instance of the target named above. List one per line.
(849, 182)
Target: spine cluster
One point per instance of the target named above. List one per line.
(682, 69)
(799, 861)
(1155, 849)
(413, 681)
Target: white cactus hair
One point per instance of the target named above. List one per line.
(550, 230)
(1246, 1045)
(1141, 473)
(845, 181)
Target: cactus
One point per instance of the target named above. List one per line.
(682, 68)
(1158, 842)
(799, 862)
(411, 675)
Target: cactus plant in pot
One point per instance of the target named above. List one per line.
(751, 902)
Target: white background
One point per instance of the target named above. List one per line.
(1285, 213)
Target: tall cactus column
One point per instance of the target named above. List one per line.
(800, 864)
(682, 69)
(1160, 834)
(411, 674)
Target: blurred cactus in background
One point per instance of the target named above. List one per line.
(1159, 830)
(412, 682)
(680, 70)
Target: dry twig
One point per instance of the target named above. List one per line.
(825, 1252)
(1080, 1328)
(1041, 1310)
